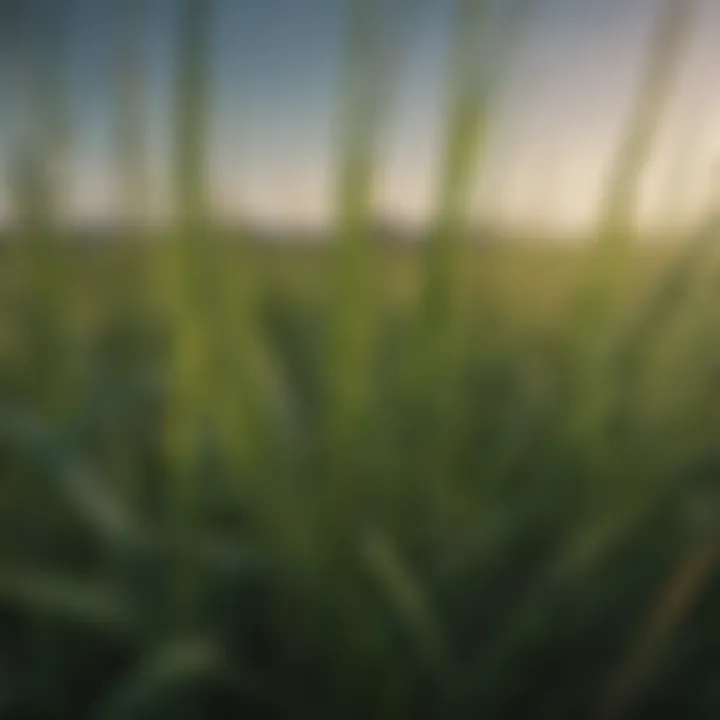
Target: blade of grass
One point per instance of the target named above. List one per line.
(374, 47)
(675, 602)
(676, 22)
(189, 283)
(131, 60)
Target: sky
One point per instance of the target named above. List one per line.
(565, 94)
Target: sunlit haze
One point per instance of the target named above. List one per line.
(559, 108)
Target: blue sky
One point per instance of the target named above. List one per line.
(277, 73)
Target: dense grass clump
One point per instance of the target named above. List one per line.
(517, 543)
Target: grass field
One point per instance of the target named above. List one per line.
(525, 525)
(355, 480)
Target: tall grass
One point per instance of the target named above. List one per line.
(676, 22)
(131, 55)
(269, 500)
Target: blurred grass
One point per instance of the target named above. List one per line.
(675, 25)
(356, 481)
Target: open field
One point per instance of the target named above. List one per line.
(525, 524)
(240, 478)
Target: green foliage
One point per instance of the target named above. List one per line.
(675, 26)
(432, 488)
